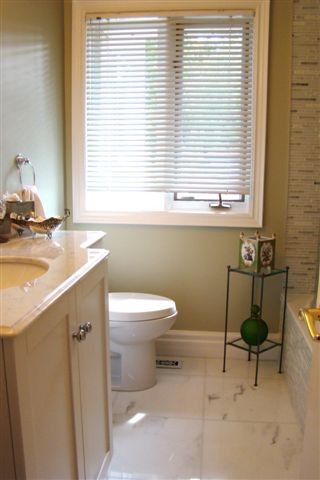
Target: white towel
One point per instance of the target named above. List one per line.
(30, 193)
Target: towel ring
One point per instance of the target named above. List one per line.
(22, 161)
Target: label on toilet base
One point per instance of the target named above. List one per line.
(168, 363)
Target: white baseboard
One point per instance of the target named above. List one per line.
(191, 343)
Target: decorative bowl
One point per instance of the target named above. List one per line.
(40, 225)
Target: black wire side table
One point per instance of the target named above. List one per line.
(267, 344)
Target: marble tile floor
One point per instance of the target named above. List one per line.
(200, 423)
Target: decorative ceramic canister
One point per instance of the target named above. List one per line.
(257, 253)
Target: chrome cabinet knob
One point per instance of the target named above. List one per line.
(87, 327)
(80, 335)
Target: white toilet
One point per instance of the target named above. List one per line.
(136, 320)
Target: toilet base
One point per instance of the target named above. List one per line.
(133, 367)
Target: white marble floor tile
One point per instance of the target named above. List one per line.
(200, 423)
(250, 451)
(172, 396)
(157, 448)
(239, 368)
(238, 400)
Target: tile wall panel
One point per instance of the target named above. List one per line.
(296, 364)
(303, 217)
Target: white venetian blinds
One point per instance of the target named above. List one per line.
(169, 104)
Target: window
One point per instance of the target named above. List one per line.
(171, 118)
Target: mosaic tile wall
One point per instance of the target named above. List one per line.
(303, 216)
(297, 359)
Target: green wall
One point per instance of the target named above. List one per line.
(32, 98)
(189, 263)
(185, 263)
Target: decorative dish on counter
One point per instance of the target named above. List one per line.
(40, 225)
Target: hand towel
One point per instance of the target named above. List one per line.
(30, 192)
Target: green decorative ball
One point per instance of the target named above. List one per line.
(250, 328)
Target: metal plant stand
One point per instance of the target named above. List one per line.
(267, 344)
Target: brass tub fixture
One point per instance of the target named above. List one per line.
(310, 316)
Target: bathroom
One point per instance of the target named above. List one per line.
(187, 263)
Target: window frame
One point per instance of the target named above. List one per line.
(253, 217)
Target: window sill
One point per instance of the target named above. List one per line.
(205, 219)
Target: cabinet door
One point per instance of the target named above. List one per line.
(94, 374)
(46, 419)
(6, 453)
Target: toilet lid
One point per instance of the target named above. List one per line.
(139, 306)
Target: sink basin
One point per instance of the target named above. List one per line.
(15, 271)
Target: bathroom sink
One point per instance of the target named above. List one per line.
(15, 271)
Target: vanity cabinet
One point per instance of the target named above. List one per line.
(58, 387)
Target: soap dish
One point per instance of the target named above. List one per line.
(40, 225)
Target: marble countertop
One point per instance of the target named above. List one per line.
(69, 259)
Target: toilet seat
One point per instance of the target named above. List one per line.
(134, 307)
